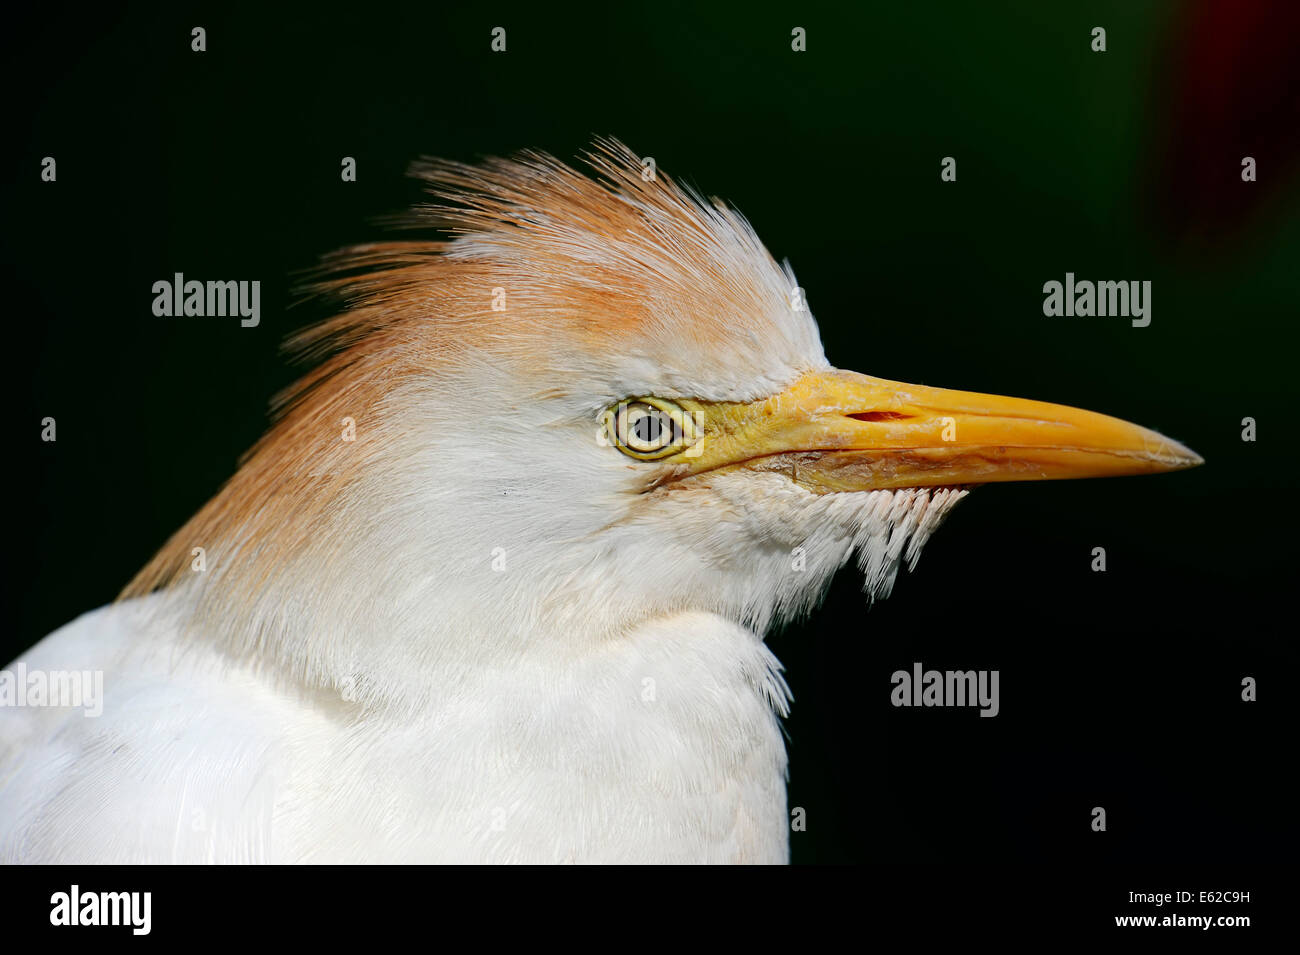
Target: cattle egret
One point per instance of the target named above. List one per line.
(494, 585)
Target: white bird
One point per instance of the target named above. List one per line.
(493, 586)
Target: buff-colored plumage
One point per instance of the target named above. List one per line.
(476, 632)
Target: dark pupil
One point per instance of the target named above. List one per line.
(648, 428)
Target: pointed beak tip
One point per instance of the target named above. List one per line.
(1178, 456)
(1190, 458)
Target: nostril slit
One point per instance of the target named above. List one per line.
(878, 416)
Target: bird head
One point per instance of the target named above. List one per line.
(601, 400)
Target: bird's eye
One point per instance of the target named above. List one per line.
(649, 428)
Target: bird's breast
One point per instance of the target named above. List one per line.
(662, 746)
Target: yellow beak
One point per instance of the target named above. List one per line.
(841, 431)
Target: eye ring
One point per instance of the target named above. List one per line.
(649, 428)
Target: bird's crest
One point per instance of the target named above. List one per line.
(537, 253)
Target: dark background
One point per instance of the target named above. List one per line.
(1118, 689)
